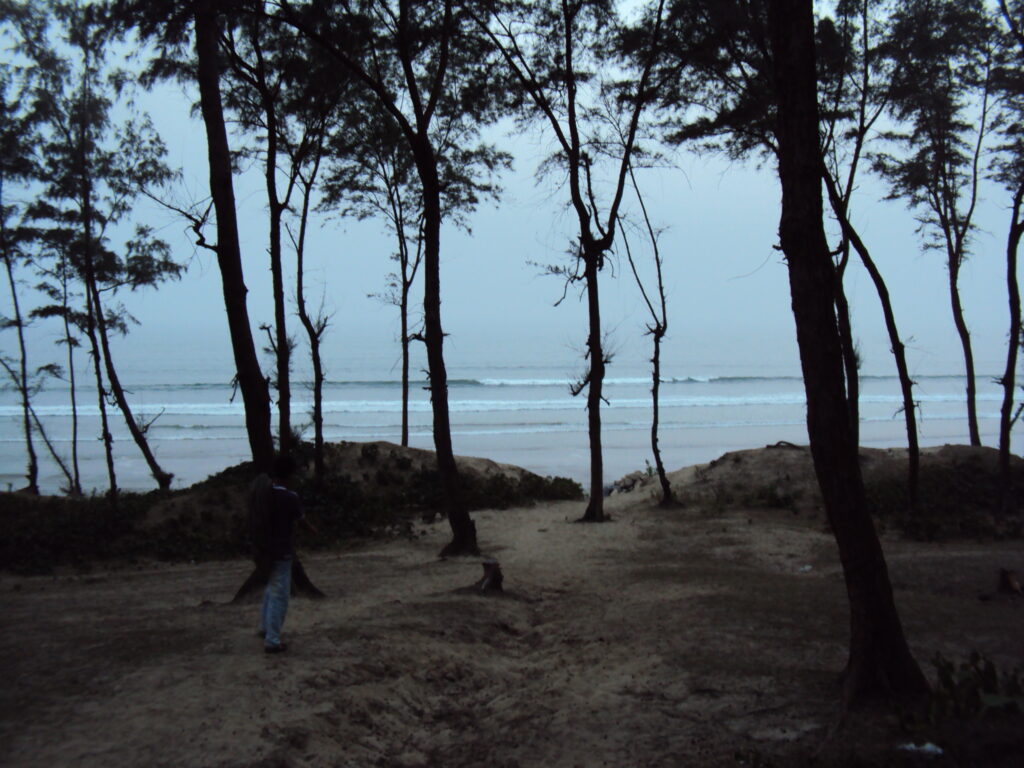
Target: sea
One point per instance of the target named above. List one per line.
(518, 412)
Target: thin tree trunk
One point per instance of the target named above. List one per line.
(463, 528)
(282, 346)
(52, 449)
(76, 482)
(850, 369)
(404, 312)
(98, 319)
(318, 404)
(896, 344)
(965, 343)
(101, 393)
(657, 331)
(667, 497)
(162, 478)
(388, 173)
(879, 655)
(32, 470)
(1008, 499)
(250, 378)
(314, 330)
(595, 381)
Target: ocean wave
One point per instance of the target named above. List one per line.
(228, 410)
(614, 422)
(207, 390)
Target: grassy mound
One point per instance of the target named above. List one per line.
(958, 494)
(369, 489)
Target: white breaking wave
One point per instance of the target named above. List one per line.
(236, 409)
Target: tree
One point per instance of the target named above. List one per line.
(424, 67)
(19, 137)
(229, 256)
(185, 37)
(313, 98)
(558, 53)
(854, 89)
(56, 285)
(262, 61)
(657, 329)
(375, 175)
(942, 59)
(1009, 171)
(91, 173)
(314, 325)
(879, 655)
(745, 82)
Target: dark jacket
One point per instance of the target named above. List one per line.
(287, 510)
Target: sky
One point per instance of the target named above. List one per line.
(727, 286)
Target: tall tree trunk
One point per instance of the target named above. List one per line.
(403, 310)
(896, 344)
(94, 312)
(318, 403)
(282, 345)
(850, 368)
(965, 343)
(32, 469)
(76, 482)
(53, 450)
(99, 320)
(595, 383)
(879, 655)
(1007, 496)
(101, 394)
(229, 258)
(658, 329)
(162, 478)
(463, 528)
(314, 329)
(667, 497)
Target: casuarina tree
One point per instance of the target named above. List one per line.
(657, 330)
(373, 175)
(427, 69)
(942, 54)
(91, 173)
(879, 655)
(746, 81)
(1009, 171)
(560, 54)
(854, 81)
(19, 138)
(185, 39)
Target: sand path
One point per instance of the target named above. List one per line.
(658, 639)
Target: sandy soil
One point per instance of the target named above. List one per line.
(694, 636)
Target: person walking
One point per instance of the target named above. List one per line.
(283, 511)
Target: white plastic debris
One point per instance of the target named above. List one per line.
(925, 749)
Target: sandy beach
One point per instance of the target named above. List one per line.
(705, 635)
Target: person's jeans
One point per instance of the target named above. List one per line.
(275, 601)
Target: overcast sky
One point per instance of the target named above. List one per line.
(728, 291)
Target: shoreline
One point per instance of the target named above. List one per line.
(563, 454)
